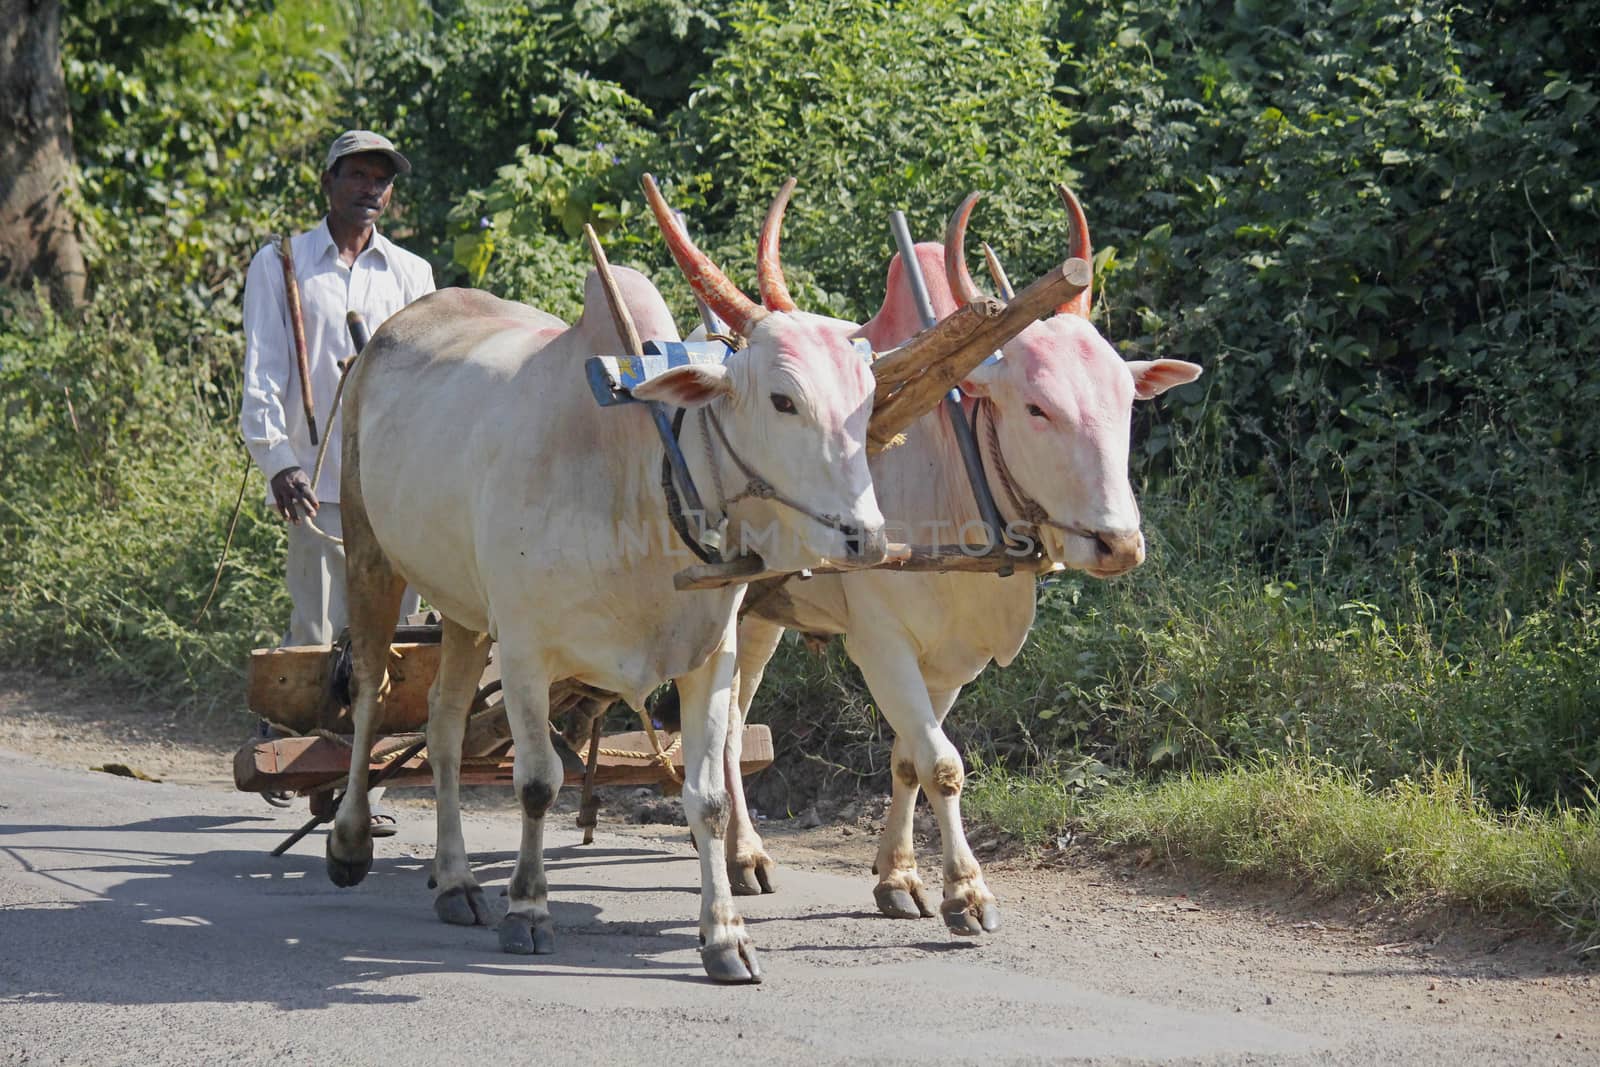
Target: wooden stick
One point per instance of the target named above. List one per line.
(297, 324)
(918, 396)
(376, 779)
(608, 283)
(968, 559)
(998, 273)
(588, 807)
(900, 365)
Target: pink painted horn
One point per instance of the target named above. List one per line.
(769, 268)
(1080, 249)
(955, 253)
(704, 277)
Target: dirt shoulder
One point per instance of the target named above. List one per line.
(76, 726)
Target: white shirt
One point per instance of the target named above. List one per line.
(384, 279)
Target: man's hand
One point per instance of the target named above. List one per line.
(291, 491)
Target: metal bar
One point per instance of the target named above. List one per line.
(372, 783)
(971, 458)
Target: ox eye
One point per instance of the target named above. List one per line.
(784, 405)
(1037, 412)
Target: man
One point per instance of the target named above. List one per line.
(343, 264)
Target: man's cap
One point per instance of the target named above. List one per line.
(352, 142)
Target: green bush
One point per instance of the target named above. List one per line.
(1366, 220)
(117, 479)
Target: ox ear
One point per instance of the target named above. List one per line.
(1151, 378)
(982, 379)
(686, 387)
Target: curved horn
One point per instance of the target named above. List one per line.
(704, 277)
(955, 253)
(1080, 249)
(769, 268)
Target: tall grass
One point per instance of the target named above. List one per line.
(1419, 840)
(118, 474)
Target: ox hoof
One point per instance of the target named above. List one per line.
(732, 964)
(462, 906)
(523, 935)
(898, 903)
(750, 881)
(346, 873)
(963, 921)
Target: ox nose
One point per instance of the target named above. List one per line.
(1118, 551)
(866, 548)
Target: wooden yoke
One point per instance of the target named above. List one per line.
(909, 386)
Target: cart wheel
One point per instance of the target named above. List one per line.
(279, 798)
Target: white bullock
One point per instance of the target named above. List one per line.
(1053, 418)
(479, 469)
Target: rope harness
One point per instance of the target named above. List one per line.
(661, 757)
(1024, 505)
(755, 485)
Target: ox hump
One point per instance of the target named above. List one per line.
(649, 311)
(898, 320)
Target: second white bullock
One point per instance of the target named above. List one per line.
(479, 469)
(1053, 418)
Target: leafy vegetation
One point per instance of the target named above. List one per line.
(1373, 222)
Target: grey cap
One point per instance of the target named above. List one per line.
(353, 142)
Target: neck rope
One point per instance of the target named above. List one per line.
(1023, 505)
(755, 485)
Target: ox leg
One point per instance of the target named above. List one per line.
(726, 951)
(749, 866)
(896, 682)
(899, 892)
(969, 907)
(536, 777)
(375, 592)
(463, 655)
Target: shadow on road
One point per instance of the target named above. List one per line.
(148, 913)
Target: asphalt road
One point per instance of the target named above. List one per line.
(146, 924)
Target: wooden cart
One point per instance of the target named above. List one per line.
(302, 693)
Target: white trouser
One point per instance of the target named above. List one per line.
(316, 579)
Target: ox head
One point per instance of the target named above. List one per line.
(788, 410)
(1059, 403)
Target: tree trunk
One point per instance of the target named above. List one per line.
(38, 235)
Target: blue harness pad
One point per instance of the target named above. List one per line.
(613, 378)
